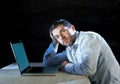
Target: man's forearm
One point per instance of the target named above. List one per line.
(51, 57)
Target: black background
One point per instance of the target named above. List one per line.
(29, 21)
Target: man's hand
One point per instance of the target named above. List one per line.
(63, 65)
(53, 39)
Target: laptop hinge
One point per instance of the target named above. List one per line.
(25, 70)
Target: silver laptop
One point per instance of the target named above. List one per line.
(24, 65)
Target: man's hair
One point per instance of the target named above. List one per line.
(60, 22)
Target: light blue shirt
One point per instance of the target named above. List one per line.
(89, 55)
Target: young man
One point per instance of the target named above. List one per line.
(87, 53)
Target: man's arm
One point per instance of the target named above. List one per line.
(52, 58)
(90, 55)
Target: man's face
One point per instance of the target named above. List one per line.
(62, 35)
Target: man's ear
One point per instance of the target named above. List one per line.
(72, 27)
(72, 30)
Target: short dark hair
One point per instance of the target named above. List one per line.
(60, 22)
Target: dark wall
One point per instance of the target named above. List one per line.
(29, 20)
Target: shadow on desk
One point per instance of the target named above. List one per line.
(11, 75)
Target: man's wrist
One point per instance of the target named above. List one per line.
(54, 47)
(54, 44)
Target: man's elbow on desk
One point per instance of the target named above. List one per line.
(76, 69)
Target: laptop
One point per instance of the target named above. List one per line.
(25, 68)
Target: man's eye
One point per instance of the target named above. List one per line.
(63, 30)
(56, 37)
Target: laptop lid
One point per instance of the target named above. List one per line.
(20, 56)
(23, 63)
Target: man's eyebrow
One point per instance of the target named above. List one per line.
(56, 36)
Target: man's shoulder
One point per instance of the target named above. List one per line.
(89, 33)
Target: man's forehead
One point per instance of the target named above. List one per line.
(58, 29)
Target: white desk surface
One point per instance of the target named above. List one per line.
(11, 75)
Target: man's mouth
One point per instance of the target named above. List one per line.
(65, 40)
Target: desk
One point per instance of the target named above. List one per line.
(11, 75)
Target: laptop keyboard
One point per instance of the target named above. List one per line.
(35, 70)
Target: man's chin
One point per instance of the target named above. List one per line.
(65, 44)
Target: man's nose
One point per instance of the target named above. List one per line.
(62, 36)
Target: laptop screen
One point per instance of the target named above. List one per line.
(20, 55)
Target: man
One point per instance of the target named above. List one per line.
(87, 53)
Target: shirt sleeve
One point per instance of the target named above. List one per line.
(90, 51)
(52, 58)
